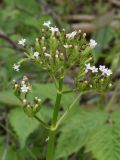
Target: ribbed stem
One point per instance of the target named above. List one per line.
(50, 150)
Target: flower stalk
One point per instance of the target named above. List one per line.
(50, 149)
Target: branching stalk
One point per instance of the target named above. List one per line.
(45, 125)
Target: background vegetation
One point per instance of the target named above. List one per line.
(22, 138)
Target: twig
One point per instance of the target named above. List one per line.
(10, 41)
(79, 17)
(85, 17)
(90, 27)
(47, 9)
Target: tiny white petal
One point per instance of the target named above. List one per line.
(101, 68)
(71, 35)
(94, 69)
(47, 24)
(24, 88)
(92, 43)
(36, 54)
(66, 46)
(22, 42)
(107, 72)
(16, 67)
(54, 29)
(47, 55)
(88, 67)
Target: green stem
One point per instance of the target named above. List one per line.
(67, 111)
(45, 125)
(50, 150)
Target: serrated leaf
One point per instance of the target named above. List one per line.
(104, 143)
(76, 130)
(22, 124)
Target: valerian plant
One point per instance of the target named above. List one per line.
(58, 52)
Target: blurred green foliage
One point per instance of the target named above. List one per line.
(22, 138)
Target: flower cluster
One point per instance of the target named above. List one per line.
(54, 50)
(21, 89)
(92, 43)
(16, 67)
(58, 52)
(105, 71)
(22, 86)
(97, 79)
(32, 109)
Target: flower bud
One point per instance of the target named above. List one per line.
(16, 86)
(24, 102)
(79, 31)
(14, 81)
(28, 110)
(44, 48)
(84, 35)
(23, 82)
(25, 78)
(110, 85)
(57, 52)
(43, 38)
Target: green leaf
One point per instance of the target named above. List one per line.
(103, 36)
(115, 116)
(104, 143)
(22, 124)
(76, 129)
(49, 91)
(31, 5)
(8, 98)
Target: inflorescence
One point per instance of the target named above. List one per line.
(57, 52)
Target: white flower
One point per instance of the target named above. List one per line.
(107, 72)
(92, 43)
(36, 54)
(54, 29)
(47, 55)
(24, 88)
(71, 35)
(88, 67)
(22, 42)
(101, 68)
(16, 67)
(47, 24)
(94, 69)
(66, 46)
